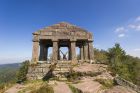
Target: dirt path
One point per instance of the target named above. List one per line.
(14, 89)
(88, 86)
(62, 87)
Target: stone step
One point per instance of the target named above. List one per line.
(61, 69)
(64, 64)
(60, 72)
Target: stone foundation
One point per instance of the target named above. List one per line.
(37, 71)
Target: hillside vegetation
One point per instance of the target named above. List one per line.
(126, 66)
(8, 72)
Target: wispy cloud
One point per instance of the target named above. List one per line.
(121, 35)
(137, 49)
(134, 25)
(120, 29)
(138, 18)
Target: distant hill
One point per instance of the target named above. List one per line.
(12, 65)
(8, 72)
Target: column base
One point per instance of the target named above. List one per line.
(91, 61)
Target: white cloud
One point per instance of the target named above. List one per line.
(121, 35)
(137, 49)
(120, 30)
(135, 27)
(138, 18)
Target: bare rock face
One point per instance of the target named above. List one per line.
(119, 89)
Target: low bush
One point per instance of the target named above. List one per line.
(107, 83)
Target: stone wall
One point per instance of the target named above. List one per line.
(37, 71)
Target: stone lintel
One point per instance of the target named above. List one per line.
(72, 40)
(35, 40)
(54, 40)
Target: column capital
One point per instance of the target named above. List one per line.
(35, 40)
(90, 40)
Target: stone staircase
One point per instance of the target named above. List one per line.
(62, 69)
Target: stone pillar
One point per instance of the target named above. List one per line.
(81, 53)
(45, 53)
(59, 53)
(41, 54)
(55, 50)
(35, 51)
(86, 51)
(69, 53)
(73, 52)
(91, 51)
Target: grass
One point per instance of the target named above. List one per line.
(74, 90)
(45, 88)
(75, 76)
(107, 83)
(5, 86)
(36, 86)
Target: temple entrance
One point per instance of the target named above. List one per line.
(49, 58)
(78, 53)
(64, 53)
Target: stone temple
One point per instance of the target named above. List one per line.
(60, 35)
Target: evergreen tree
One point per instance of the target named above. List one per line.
(21, 75)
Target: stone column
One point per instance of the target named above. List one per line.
(55, 50)
(91, 51)
(69, 53)
(81, 53)
(45, 52)
(35, 51)
(86, 51)
(41, 54)
(73, 52)
(59, 53)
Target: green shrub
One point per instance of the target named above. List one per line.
(45, 88)
(21, 74)
(107, 83)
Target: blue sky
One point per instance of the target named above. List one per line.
(110, 21)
